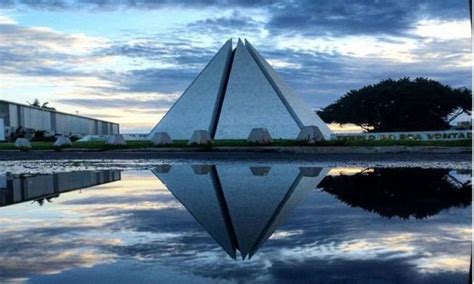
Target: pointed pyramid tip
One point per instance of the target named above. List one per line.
(248, 44)
(228, 42)
(240, 45)
(243, 255)
(232, 254)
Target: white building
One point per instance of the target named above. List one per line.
(14, 115)
(236, 92)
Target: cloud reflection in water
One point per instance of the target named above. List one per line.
(303, 232)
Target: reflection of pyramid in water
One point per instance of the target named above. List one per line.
(236, 92)
(237, 205)
(195, 190)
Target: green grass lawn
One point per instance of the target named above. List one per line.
(100, 145)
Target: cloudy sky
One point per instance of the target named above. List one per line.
(128, 62)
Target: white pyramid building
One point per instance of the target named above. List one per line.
(236, 92)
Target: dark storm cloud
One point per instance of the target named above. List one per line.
(342, 17)
(448, 9)
(51, 72)
(337, 17)
(318, 75)
(236, 21)
(178, 51)
(152, 80)
(36, 4)
(158, 4)
(143, 49)
(120, 4)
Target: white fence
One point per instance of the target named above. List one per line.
(447, 135)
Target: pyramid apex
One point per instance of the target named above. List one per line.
(228, 42)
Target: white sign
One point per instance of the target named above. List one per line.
(447, 135)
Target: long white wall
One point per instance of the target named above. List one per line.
(54, 122)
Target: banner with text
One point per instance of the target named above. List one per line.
(447, 135)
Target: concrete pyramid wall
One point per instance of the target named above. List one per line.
(197, 108)
(236, 92)
(250, 101)
(295, 105)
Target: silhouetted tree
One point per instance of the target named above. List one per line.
(400, 192)
(46, 106)
(37, 103)
(401, 105)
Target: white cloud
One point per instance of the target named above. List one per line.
(444, 30)
(6, 20)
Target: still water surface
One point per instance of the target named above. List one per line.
(239, 222)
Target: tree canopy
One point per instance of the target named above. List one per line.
(36, 103)
(400, 105)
